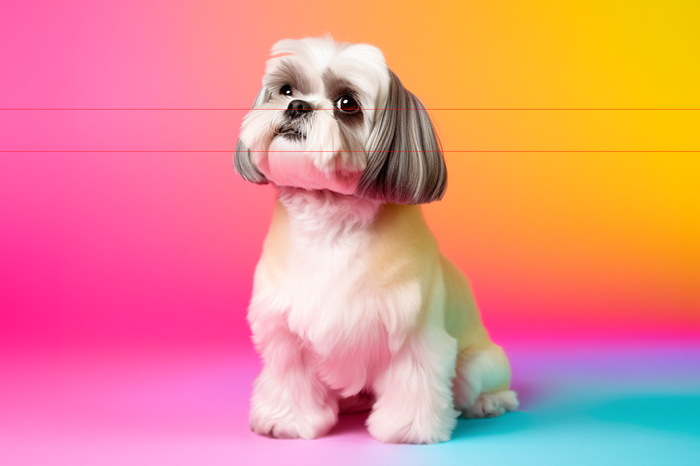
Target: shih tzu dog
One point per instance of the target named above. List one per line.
(354, 307)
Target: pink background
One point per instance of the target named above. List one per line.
(125, 248)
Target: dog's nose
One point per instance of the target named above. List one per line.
(297, 108)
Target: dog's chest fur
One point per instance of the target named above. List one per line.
(324, 287)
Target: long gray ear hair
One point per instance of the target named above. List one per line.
(404, 158)
(243, 158)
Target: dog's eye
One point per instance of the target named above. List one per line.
(347, 104)
(286, 90)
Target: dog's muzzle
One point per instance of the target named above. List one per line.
(297, 111)
(290, 131)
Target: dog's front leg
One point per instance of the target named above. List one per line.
(414, 393)
(288, 399)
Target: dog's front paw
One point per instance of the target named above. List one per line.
(283, 423)
(409, 426)
(284, 410)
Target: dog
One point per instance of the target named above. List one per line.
(353, 306)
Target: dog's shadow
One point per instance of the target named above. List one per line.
(466, 428)
(350, 423)
(501, 425)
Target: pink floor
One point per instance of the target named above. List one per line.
(582, 403)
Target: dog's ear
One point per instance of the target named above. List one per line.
(243, 158)
(405, 164)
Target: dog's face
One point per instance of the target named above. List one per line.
(333, 116)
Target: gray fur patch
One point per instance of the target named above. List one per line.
(337, 86)
(242, 157)
(288, 72)
(405, 164)
(350, 125)
(243, 163)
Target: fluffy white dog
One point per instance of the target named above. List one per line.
(354, 307)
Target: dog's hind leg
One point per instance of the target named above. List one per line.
(481, 384)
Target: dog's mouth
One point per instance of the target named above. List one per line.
(290, 132)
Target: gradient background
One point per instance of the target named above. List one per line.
(125, 275)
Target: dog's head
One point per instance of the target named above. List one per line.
(333, 116)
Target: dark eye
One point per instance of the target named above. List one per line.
(347, 104)
(286, 90)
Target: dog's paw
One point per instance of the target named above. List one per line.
(287, 424)
(409, 426)
(493, 404)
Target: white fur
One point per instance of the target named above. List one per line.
(352, 299)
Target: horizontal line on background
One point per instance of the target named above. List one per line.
(444, 151)
(432, 109)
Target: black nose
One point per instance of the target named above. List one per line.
(297, 108)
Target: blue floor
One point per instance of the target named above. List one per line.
(583, 406)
